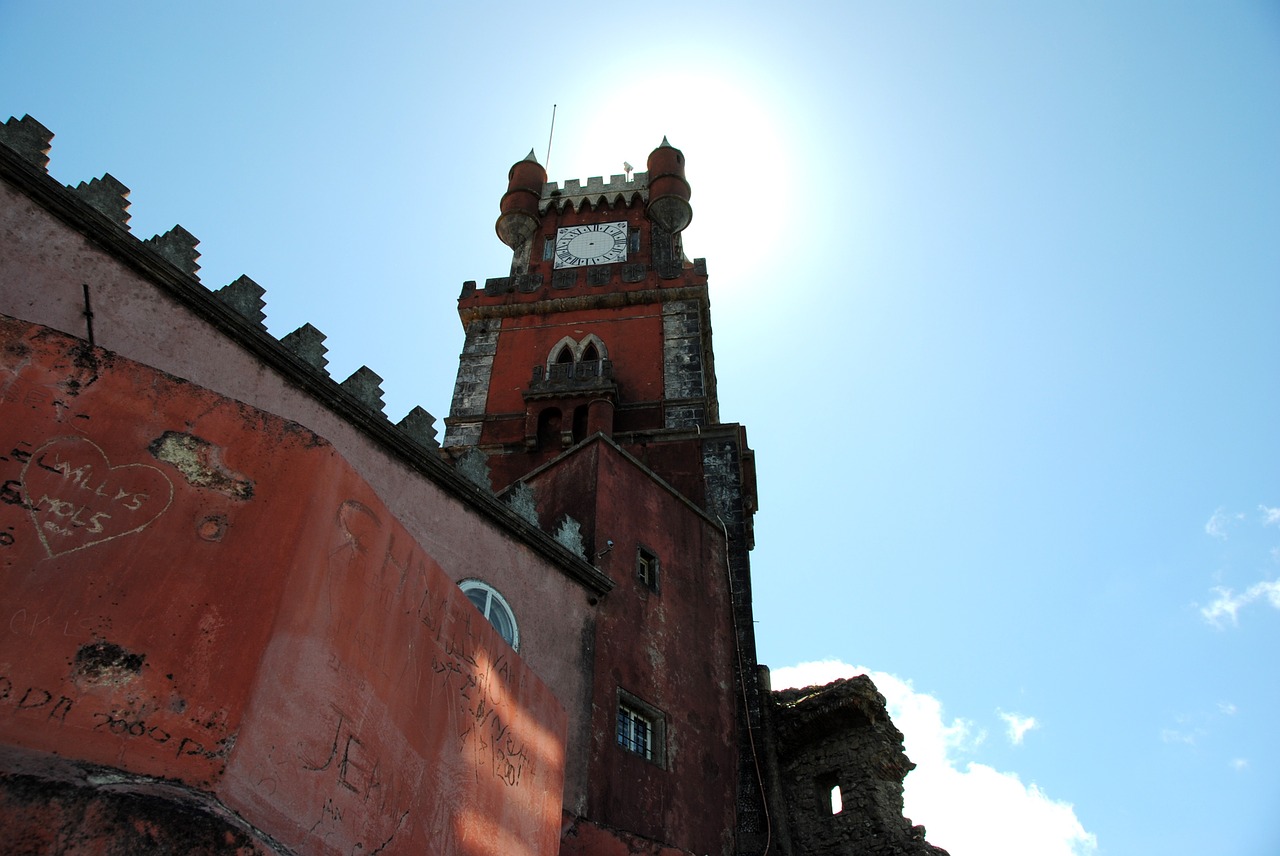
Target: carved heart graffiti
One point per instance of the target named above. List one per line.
(77, 499)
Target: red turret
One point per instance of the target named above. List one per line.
(519, 219)
(668, 190)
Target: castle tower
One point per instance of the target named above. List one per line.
(603, 322)
(597, 346)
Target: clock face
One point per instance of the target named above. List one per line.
(593, 244)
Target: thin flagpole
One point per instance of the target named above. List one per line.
(547, 164)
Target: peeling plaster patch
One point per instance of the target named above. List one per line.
(107, 663)
(198, 461)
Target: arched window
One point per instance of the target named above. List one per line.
(493, 606)
(569, 352)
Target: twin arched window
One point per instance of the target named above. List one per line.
(568, 352)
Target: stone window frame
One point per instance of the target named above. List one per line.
(633, 713)
(576, 348)
(493, 602)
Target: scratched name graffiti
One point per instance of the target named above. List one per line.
(355, 768)
(34, 698)
(400, 587)
(29, 701)
(479, 698)
(77, 499)
(127, 723)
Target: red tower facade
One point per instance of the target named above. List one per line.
(588, 380)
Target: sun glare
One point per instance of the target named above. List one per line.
(732, 134)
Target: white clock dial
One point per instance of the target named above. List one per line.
(591, 244)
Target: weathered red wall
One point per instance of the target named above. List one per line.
(671, 648)
(45, 264)
(201, 593)
(633, 338)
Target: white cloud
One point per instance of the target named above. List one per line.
(1226, 604)
(1270, 516)
(1239, 764)
(970, 809)
(1173, 735)
(1219, 521)
(1226, 708)
(1018, 726)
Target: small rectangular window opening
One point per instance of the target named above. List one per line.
(830, 798)
(641, 729)
(647, 568)
(635, 731)
(634, 241)
(548, 249)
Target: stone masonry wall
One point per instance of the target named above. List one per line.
(840, 736)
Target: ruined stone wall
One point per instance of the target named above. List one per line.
(839, 738)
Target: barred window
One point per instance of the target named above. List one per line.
(641, 729)
(635, 731)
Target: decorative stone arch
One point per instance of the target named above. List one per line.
(559, 349)
(576, 350)
(602, 353)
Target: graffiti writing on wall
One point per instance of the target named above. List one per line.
(476, 683)
(478, 689)
(27, 701)
(34, 699)
(355, 768)
(76, 498)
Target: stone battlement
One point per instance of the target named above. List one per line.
(616, 189)
(108, 198)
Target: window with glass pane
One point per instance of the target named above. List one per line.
(635, 731)
(494, 608)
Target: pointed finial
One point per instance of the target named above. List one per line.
(530, 158)
(665, 143)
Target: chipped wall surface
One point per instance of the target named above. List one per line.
(209, 599)
(667, 645)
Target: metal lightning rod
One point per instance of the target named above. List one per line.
(547, 164)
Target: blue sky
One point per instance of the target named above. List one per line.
(995, 291)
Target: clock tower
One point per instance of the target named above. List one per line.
(601, 326)
(587, 380)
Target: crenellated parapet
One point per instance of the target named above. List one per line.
(618, 190)
(102, 204)
(28, 139)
